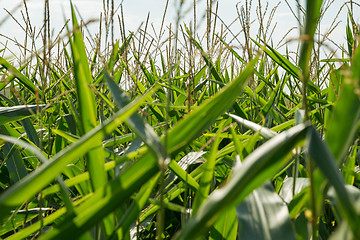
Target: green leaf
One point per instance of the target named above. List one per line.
(207, 59)
(118, 140)
(14, 162)
(136, 206)
(64, 191)
(31, 132)
(17, 221)
(23, 80)
(71, 138)
(346, 114)
(87, 105)
(278, 89)
(285, 64)
(279, 59)
(16, 113)
(343, 230)
(183, 175)
(140, 127)
(259, 166)
(299, 202)
(287, 189)
(142, 170)
(106, 199)
(208, 175)
(147, 134)
(200, 118)
(263, 215)
(326, 162)
(350, 165)
(33, 228)
(335, 79)
(34, 182)
(349, 36)
(226, 226)
(264, 132)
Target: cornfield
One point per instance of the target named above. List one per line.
(182, 138)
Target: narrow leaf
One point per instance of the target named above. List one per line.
(16, 113)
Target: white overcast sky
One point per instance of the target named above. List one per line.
(135, 12)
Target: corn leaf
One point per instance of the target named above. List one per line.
(257, 167)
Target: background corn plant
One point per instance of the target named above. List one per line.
(179, 142)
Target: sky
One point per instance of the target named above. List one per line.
(136, 11)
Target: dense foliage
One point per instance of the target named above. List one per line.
(171, 139)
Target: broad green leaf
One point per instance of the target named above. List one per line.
(72, 171)
(257, 167)
(283, 126)
(287, 189)
(343, 231)
(279, 59)
(226, 226)
(264, 215)
(85, 176)
(71, 138)
(299, 202)
(301, 224)
(326, 162)
(184, 163)
(183, 175)
(118, 140)
(31, 132)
